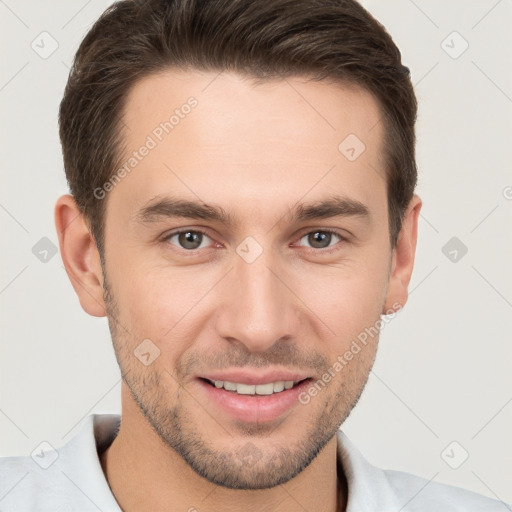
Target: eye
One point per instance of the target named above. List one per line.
(321, 238)
(188, 239)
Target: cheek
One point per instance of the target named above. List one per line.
(346, 298)
(166, 305)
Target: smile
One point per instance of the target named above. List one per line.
(255, 389)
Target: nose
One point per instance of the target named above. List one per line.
(257, 308)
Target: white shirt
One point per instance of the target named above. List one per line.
(70, 478)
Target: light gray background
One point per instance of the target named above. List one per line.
(443, 368)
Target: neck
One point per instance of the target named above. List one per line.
(145, 474)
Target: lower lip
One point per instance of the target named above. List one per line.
(254, 408)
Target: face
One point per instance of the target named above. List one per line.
(244, 247)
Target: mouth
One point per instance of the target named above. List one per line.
(261, 402)
(267, 389)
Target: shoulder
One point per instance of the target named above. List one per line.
(25, 486)
(421, 495)
(68, 478)
(372, 489)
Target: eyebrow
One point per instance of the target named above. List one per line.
(161, 208)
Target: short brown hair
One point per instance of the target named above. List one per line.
(263, 39)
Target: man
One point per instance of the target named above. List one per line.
(242, 210)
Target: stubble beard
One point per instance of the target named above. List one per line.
(254, 459)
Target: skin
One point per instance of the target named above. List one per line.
(256, 151)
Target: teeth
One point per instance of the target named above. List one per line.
(244, 389)
(260, 389)
(278, 387)
(229, 386)
(265, 389)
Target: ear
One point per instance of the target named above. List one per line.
(80, 255)
(403, 259)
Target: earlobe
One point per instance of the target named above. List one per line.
(80, 255)
(403, 259)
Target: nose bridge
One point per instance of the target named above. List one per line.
(258, 309)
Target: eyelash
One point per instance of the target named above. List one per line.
(326, 250)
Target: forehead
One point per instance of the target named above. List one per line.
(221, 138)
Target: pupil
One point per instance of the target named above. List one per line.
(190, 240)
(318, 239)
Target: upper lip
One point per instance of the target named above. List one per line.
(255, 377)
